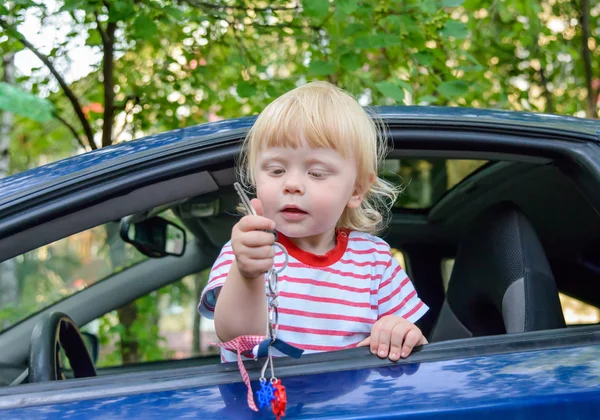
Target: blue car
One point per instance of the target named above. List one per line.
(498, 227)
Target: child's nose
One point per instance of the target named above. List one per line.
(293, 186)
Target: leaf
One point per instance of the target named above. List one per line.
(316, 8)
(121, 10)
(175, 14)
(245, 89)
(452, 3)
(377, 41)
(346, 6)
(455, 29)
(93, 38)
(391, 90)
(144, 28)
(71, 5)
(423, 58)
(409, 24)
(24, 103)
(405, 85)
(427, 6)
(453, 89)
(320, 68)
(350, 61)
(354, 28)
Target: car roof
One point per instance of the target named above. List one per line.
(580, 128)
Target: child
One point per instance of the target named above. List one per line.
(312, 156)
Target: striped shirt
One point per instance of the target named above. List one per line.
(330, 302)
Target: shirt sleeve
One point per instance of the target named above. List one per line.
(397, 296)
(216, 279)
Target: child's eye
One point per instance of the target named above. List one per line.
(276, 171)
(317, 175)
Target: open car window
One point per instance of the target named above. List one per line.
(50, 273)
(425, 181)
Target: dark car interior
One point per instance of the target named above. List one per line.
(519, 230)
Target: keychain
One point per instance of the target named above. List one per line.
(272, 392)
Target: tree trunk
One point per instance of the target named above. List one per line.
(9, 285)
(127, 313)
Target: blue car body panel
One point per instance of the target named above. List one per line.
(549, 384)
(423, 115)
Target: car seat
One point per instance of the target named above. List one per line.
(501, 281)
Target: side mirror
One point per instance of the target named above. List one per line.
(155, 237)
(92, 344)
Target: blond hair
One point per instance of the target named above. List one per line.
(322, 115)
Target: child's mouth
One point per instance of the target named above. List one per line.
(293, 213)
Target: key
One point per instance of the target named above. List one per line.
(248, 206)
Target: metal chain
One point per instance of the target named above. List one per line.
(272, 294)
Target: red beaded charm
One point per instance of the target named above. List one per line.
(279, 403)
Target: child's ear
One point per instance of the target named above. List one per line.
(360, 191)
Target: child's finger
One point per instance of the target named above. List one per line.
(412, 338)
(258, 207)
(260, 252)
(257, 238)
(397, 338)
(374, 341)
(365, 342)
(250, 223)
(384, 337)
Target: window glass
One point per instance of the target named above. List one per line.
(399, 256)
(36, 279)
(163, 325)
(578, 312)
(425, 181)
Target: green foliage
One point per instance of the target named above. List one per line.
(144, 332)
(24, 103)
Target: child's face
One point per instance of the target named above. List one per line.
(304, 190)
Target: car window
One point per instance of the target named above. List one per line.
(578, 312)
(425, 181)
(574, 310)
(162, 325)
(36, 279)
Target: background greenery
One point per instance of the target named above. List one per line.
(166, 64)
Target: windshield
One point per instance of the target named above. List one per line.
(36, 279)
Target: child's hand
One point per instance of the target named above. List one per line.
(393, 336)
(252, 247)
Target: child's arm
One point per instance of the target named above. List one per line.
(241, 305)
(394, 335)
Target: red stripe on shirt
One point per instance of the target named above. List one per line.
(317, 331)
(368, 240)
(325, 300)
(214, 279)
(333, 271)
(401, 304)
(388, 281)
(325, 284)
(325, 316)
(216, 267)
(365, 263)
(413, 310)
(394, 292)
(368, 251)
